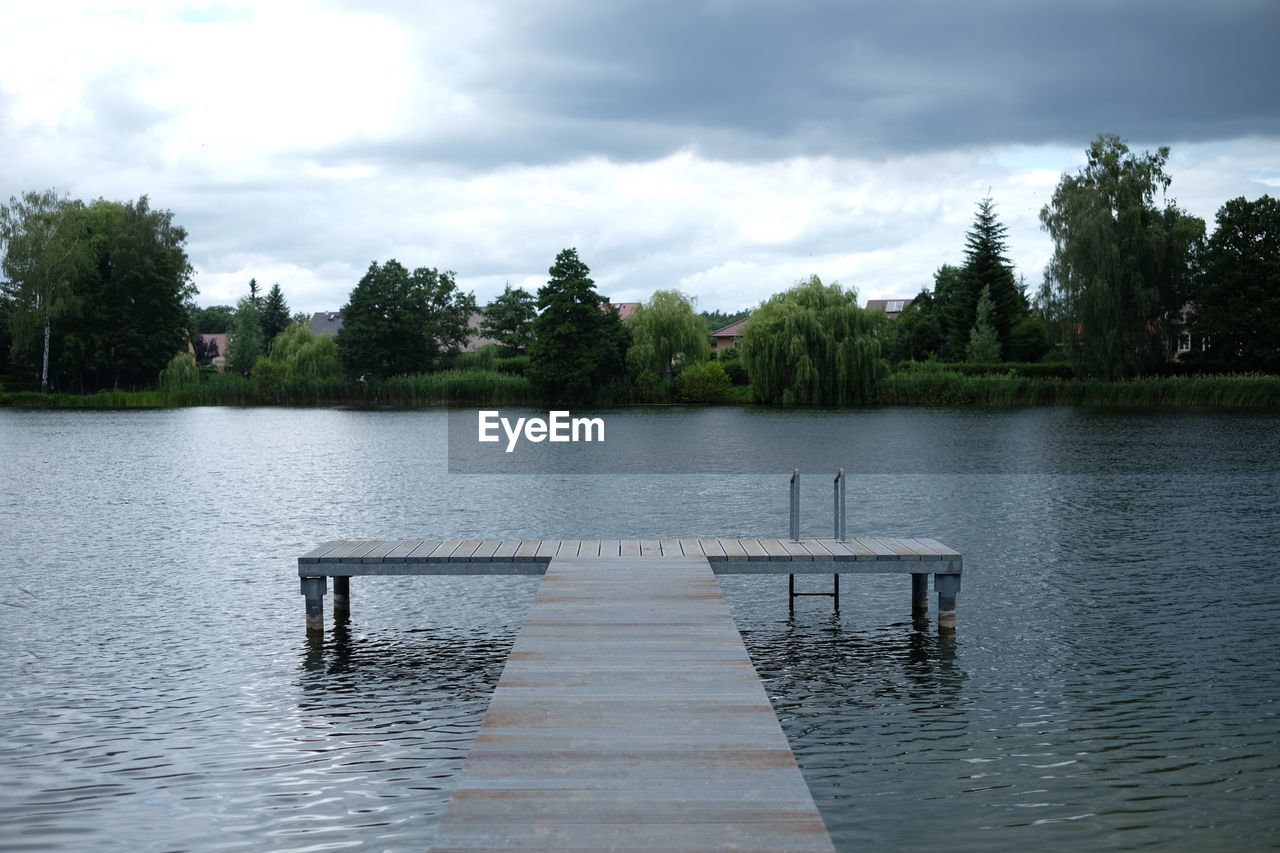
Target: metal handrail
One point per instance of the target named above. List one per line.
(839, 489)
(795, 505)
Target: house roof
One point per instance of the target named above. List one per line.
(892, 307)
(624, 309)
(326, 322)
(733, 330)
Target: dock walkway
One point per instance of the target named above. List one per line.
(629, 717)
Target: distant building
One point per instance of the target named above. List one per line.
(727, 336)
(475, 340)
(326, 322)
(1185, 337)
(891, 307)
(212, 349)
(624, 309)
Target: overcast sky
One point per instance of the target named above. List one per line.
(726, 149)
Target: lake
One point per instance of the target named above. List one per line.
(1114, 681)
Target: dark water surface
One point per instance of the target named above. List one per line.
(1114, 682)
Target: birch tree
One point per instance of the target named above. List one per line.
(44, 250)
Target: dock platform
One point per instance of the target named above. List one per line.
(629, 717)
(919, 557)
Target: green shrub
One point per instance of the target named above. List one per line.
(704, 382)
(731, 360)
(268, 378)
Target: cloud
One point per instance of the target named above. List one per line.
(639, 80)
(728, 149)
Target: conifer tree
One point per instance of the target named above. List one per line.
(579, 343)
(986, 266)
(984, 341)
(274, 315)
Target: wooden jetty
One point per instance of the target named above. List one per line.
(918, 557)
(629, 715)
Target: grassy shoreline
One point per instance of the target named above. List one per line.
(487, 388)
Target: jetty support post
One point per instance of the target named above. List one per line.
(341, 597)
(919, 592)
(947, 587)
(314, 590)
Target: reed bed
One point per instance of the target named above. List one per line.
(491, 388)
(949, 389)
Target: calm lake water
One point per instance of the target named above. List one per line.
(1114, 682)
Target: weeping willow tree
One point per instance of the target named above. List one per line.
(665, 333)
(306, 354)
(813, 346)
(180, 373)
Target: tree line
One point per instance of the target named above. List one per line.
(100, 295)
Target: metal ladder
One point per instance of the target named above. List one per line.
(838, 489)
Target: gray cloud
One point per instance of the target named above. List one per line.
(636, 79)
(513, 129)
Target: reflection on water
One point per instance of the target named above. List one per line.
(1111, 684)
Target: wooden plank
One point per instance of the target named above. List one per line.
(424, 550)
(775, 549)
(506, 550)
(528, 549)
(610, 547)
(650, 548)
(797, 550)
(733, 550)
(445, 551)
(925, 552)
(653, 735)
(692, 548)
(630, 548)
(379, 554)
(319, 551)
(939, 548)
(876, 549)
(670, 548)
(816, 549)
(486, 550)
(835, 549)
(403, 549)
(342, 550)
(755, 551)
(897, 547)
(356, 555)
(589, 548)
(548, 548)
(462, 554)
(713, 548)
(859, 551)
